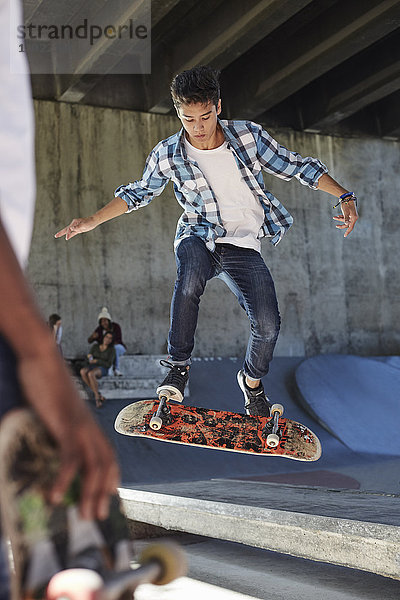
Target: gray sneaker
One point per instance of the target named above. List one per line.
(256, 402)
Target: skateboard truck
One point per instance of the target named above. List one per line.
(159, 564)
(163, 411)
(273, 438)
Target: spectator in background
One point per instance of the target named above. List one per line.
(99, 361)
(56, 327)
(106, 325)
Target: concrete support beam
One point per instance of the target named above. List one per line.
(31, 7)
(339, 33)
(219, 39)
(389, 116)
(359, 83)
(83, 82)
(160, 9)
(360, 545)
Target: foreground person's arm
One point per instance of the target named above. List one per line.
(48, 388)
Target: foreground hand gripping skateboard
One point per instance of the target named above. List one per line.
(218, 429)
(54, 554)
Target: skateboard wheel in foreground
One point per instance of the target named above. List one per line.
(273, 440)
(156, 423)
(74, 584)
(277, 408)
(170, 557)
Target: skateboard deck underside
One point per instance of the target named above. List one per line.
(220, 430)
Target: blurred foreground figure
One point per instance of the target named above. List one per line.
(34, 373)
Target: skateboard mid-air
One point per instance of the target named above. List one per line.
(54, 553)
(266, 436)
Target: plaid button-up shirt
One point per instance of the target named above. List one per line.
(254, 151)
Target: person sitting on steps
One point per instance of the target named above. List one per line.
(107, 325)
(100, 359)
(56, 328)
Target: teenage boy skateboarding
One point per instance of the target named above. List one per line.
(216, 168)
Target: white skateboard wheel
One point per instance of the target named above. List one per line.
(156, 423)
(74, 584)
(273, 440)
(277, 408)
(171, 559)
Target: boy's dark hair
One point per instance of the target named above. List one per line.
(196, 86)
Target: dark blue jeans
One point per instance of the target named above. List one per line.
(245, 273)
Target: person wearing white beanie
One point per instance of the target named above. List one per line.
(107, 325)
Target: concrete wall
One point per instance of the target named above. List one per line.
(335, 295)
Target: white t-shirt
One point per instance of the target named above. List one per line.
(241, 213)
(17, 165)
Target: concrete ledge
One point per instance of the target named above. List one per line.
(121, 388)
(129, 388)
(361, 545)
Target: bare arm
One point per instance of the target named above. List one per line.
(48, 387)
(349, 216)
(94, 336)
(114, 208)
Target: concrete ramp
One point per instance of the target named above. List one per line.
(356, 399)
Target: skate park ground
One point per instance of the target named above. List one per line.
(338, 512)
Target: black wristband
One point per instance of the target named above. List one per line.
(347, 197)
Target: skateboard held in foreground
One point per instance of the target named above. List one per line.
(54, 554)
(219, 429)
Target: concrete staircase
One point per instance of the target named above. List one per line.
(141, 376)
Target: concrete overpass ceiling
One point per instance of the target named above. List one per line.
(329, 66)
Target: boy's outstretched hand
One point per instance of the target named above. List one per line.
(114, 208)
(75, 227)
(349, 217)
